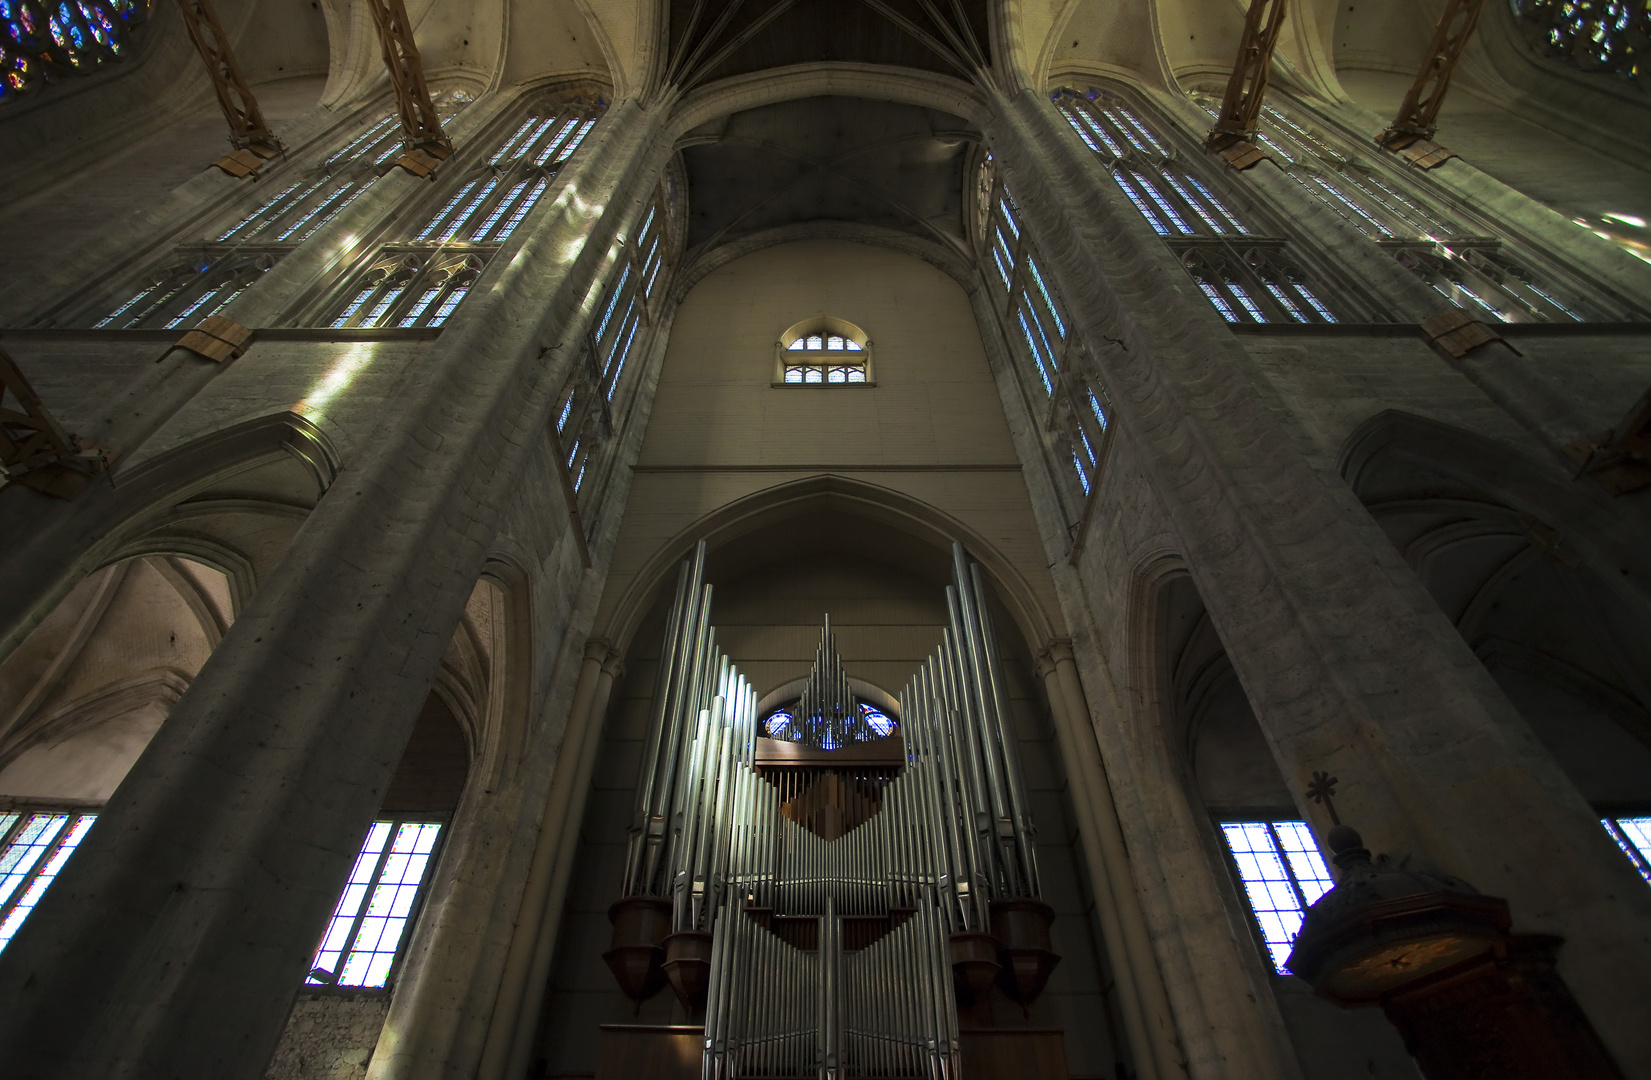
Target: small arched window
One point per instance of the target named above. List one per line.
(823, 352)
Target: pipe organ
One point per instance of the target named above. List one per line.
(821, 881)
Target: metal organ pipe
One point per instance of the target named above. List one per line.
(925, 842)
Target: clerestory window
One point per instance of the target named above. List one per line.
(1246, 275)
(34, 846)
(1035, 318)
(823, 352)
(421, 278)
(368, 930)
(199, 279)
(825, 358)
(587, 414)
(1484, 275)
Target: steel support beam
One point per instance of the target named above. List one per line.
(250, 134)
(1411, 132)
(427, 146)
(1233, 136)
(35, 451)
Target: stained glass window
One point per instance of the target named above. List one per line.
(33, 849)
(420, 280)
(368, 928)
(1633, 836)
(1283, 874)
(199, 280)
(1612, 37)
(589, 410)
(873, 723)
(1259, 281)
(1481, 274)
(43, 40)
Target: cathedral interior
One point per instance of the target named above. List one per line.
(825, 539)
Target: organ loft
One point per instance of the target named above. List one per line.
(825, 539)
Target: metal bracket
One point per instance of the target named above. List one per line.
(35, 451)
(216, 338)
(427, 145)
(1235, 128)
(1459, 333)
(1411, 132)
(254, 143)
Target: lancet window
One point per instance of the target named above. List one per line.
(1482, 274)
(588, 415)
(34, 846)
(1036, 321)
(44, 40)
(419, 280)
(1246, 274)
(368, 930)
(199, 279)
(1611, 37)
(1283, 873)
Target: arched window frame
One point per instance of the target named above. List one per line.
(472, 213)
(834, 349)
(1270, 277)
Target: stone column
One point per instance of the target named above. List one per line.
(542, 899)
(175, 939)
(1137, 942)
(544, 948)
(1156, 1058)
(437, 997)
(1348, 662)
(43, 536)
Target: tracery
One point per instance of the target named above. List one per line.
(43, 42)
(1610, 37)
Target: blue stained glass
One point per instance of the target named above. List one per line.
(879, 722)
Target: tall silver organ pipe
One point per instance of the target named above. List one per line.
(823, 882)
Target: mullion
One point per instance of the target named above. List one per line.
(46, 848)
(1047, 356)
(503, 205)
(1289, 871)
(544, 153)
(1041, 318)
(1051, 308)
(366, 899)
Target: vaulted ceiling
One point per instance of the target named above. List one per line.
(712, 39)
(827, 159)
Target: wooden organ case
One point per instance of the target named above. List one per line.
(832, 891)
